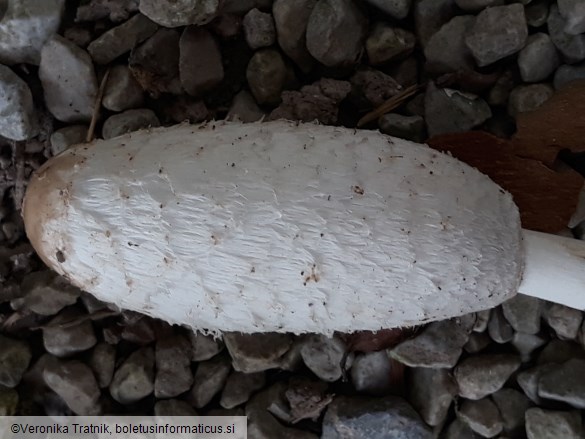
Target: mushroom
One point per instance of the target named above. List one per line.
(288, 227)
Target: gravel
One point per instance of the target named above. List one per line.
(481, 375)
(25, 26)
(17, 116)
(75, 383)
(497, 33)
(174, 13)
(121, 39)
(515, 369)
(550, 424)
(431, 393)
(128, 121)
(335, 32)
(373, 419)
(122, 91)
(259, 29)
(200, 63)
(70, 84)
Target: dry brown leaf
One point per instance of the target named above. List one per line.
(524, 165)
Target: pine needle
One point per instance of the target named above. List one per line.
(392, 103)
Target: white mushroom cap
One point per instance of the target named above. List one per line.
(276, 227)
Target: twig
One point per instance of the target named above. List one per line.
(389, 105)
(96, 107)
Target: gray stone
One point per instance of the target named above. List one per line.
(430, 16)
(372, 87)
(335, 32)
(173, 366)
(121, 39)
(372, 418)
(405, 127)
(204, 346)
(185, 108)
(263, 425)
(129, 121)
(526, 344)
(244, 108)
(567, 73)
(74, 382)
(79, 36)
(155, 64)
(47, 293)
(538, 59)
(370, 373)
(453, 111)
(8, 402)
(500, 92)
(574, 12)
(460, 430)
(537, 13)
(240, 7)
(93, 305)
(175, 13)
(482, 375)
(291, 19)
(499, 328)
(549, 424)
(115, 11)
(122, 92)
(560, 351)
(477, 342)
(269, 398)
(210, 377)
(405, 72)
(67, 334)
(523, 313)
(431, 392)
(134, 378)
(256, 352)
(564, 320)
(200, 63)
(451, 35)
(318, 101)
(66, 137)
(17, 113)
(439, 345)
(528, 98)
(565, 383)
(482, 319)
(292, 360)
(512, 405)
(528, 380)
(103, 362)
(323, 356)
(173, 407)
(15, 356)
(572, 47)
(69, 81)
(481, 416)
(498, 32)
(267, 75)
(478, 5)
(387, 43)
(239, 387)
(25, 26)
(397, 9)
(259, 29)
